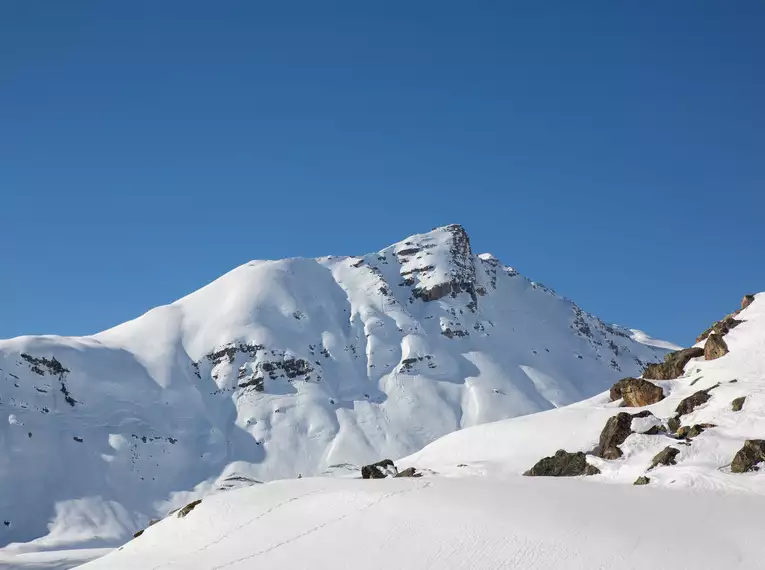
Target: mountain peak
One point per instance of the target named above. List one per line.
(437, 263)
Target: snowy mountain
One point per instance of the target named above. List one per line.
(697, 507)
(704, 429)
(285, 368)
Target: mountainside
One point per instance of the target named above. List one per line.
(285, 368)
(704, 431)
(471, 506)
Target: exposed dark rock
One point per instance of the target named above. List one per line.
(643, 414)
(746, 301)
(616, 430)
(749, 456)
(378, 470)
(665, 457)
(721, 327)
(689, 432)
(738, 404)
(188, 508)
(642, 480)
(563, 464)
(409, 472)
(636, 392)
(715, 347)
(140, 532)
(673, 365)
(693, 401)
(673, 424)
(77, 439)
(655, 430)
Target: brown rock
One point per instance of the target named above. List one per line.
(721, 327)
(188, 508)
(689, 432)
(693, 401)
(715, 347)
(749, 456)
(616, 430)
(665, 457)
(642, 480)
(636, 392)
(673, 424)
(746, 301)
(738, 404)
(563, 464)
(673, 365)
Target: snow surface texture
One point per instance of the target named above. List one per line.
(281, 368)
(459, 524)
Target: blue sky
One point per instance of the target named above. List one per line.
(611, 150)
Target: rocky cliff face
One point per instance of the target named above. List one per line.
(281, 368)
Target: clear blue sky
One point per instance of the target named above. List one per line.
(611, 150)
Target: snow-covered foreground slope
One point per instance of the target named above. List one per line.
(281, 368)
(473, 508)
(513, 446)
(459, 524)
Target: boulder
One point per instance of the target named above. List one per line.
(673, 424)
(689, 432)
(687, 405)
(188, 508)
(409, 472)
(642, 480)
(738, 404)
(636, 392)
(721, 327)
(616, 430)
(746, 301)
(749, 456)
(715, 347)
(665, 457)
(673, 365)
(563, 464)
(379, 470)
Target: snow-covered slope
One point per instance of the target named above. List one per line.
(451, 524)
(704, 460)
(473, 508)
(281, 368)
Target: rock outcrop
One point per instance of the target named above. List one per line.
(721, 327)
(746, 301)
(617, 429)
(563, 464)
(379, 470)
(642, 480)
(673, 365)
(665, 457)
(689, 432)
(747, 458)
(738, 404)
(715, 347)
(636, 392)
(687, 405)
(188, 508)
